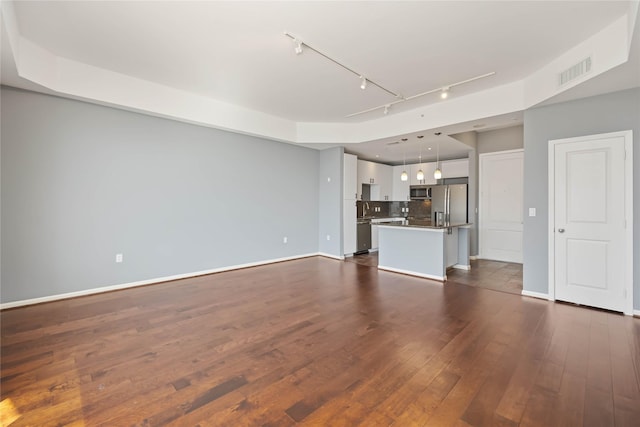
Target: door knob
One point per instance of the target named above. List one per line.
(560, 230)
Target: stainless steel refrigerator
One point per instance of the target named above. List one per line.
(449, 204)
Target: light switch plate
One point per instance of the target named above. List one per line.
(532, 211)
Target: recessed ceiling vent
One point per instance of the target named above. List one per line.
(576, 71)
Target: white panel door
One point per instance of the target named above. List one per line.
(589, 222)
(500, 209)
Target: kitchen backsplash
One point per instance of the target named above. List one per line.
(420, 209)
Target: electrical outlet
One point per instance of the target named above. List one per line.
(284, 239)
(119, 258)
(328, 237)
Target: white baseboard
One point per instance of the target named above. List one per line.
(326, 255)
(461, 267)
(110, 288)
(536, 295)
(474, 257)
(413, 273)
(636, 313)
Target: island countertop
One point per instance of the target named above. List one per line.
(416, 223)
(423, 250)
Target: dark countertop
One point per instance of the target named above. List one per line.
(418, 223)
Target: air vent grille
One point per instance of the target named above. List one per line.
(576, 71)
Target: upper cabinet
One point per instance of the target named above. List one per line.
(385, 180)
(350, 177)
(399, 188)
(455, 168)
(385, 173)
(375, 174)
(427, 168)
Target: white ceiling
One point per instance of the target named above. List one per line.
(235, 52)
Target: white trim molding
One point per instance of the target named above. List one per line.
(461, 267)
(156, 280)
(539, 295)
(326, 255)
(636, 313)
(413, 273)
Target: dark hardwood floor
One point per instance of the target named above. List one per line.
(317, 342)
(494, 275)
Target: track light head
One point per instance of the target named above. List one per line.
(363, 83)
(297, 46)
(386, 109)
(445, 93)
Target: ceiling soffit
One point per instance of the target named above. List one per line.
(608, 48)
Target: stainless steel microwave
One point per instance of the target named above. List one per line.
(420, 192)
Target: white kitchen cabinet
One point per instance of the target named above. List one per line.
(455, 168)
(385, 173)
(349, 218)
(427, 168)
(350, 177)
(349, 209)
(375, 173)
(399, 188)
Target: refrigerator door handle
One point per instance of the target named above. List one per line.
(447, 204)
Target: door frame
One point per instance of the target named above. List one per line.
(481, 157)
(628, 209)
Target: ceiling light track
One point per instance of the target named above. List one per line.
(299, 45)
(442, 89)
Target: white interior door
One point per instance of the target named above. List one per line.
(589, 227)
(500, 207)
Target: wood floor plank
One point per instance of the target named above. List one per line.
(598, 408)
(317, 341)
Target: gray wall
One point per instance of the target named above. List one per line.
(472, 140)
(511, 138)
(330, 201)
(82, 182)
(600, 114)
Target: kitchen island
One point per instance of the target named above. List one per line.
(420, 249)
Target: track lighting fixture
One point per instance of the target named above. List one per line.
(297, 46)
(364, 82)
(443, 90)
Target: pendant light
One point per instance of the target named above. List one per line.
(437, 174)
(403, 175)
(420, 174)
